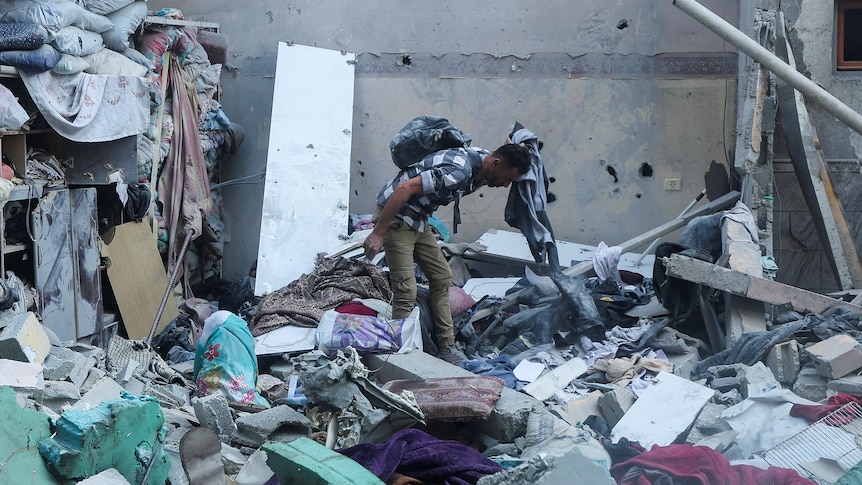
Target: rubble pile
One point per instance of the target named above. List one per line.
(569, 379)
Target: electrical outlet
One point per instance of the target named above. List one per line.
(672, 184)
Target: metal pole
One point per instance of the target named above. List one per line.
(655, 242)
(770, 61)
(171, 283)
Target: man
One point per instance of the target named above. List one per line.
(401, 225)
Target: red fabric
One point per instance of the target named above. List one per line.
(355, 308)
(698, 465)
(814, 412)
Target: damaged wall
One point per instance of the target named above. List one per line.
(799, 253)
(624, 94)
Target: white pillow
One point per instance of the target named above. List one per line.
(110, 62)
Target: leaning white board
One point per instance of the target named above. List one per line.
(305, 202)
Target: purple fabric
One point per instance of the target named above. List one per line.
(416, 454)
(366, 334)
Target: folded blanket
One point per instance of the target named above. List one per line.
(90, 108)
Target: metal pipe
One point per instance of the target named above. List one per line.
(770, 61)
(175, 271)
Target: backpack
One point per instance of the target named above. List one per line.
(423, 136)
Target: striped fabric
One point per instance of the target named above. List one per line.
(446, 175)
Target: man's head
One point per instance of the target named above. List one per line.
(505, 165)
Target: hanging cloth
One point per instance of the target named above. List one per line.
(183, 184)
(526, 207)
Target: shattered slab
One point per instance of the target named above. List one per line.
(663, 411)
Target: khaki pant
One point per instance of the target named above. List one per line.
(403, 246)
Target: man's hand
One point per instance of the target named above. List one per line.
(373, 243)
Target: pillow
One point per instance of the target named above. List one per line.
(452, 399)
(126, 20)
(77, 41)
(109, 62)
(70, 65)
(459, 300)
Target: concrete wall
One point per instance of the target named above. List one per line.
(800, 256)
(624, 94)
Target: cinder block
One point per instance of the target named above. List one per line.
(836, 356)
(255, 429)
(509, 418)
(24, 339)
(213, 412)
(783, 360)
(614, 404)
(124, 434)
(308, 462)
(810, 384)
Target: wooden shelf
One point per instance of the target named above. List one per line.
(155, 20)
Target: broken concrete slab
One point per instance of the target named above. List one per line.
(59, 395)
(846, 385)
(66, 364)
(663, 411)
(760, 289)
(708, 423)
(108, 477)
(255, 471)
(836, 356)
(783, 360)
(509, 418)
(306, 461)
(126, 434)
(810, 384)
(213, 412)
(23, 429)
(571, 467)
(580, 409)
(255, 429)
(106, 389)
(614, 404)
(21, 376)
(24, 338)
(558, 378)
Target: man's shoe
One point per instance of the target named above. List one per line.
(451, 354)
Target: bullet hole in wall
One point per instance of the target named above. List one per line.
(613, 172)
(405, 60)
(361, 173)
(552, 179)
(645, 170)
(622, 24)
(638, 195)
(551, 197)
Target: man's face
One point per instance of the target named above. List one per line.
(502, 176)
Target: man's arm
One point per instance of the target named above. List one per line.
(403, 192)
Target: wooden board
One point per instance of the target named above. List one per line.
(138, 278)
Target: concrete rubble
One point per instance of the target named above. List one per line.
(570, 404)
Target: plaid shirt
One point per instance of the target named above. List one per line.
(446, 175)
